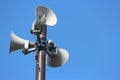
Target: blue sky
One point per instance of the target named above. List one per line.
(88, 29)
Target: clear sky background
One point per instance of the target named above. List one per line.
(88, 29)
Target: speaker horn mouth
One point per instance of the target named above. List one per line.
(46, 15)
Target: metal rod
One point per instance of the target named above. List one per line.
(41, 59)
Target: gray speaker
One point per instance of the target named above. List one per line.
(18, 43)
(46, 16)
(58, 59)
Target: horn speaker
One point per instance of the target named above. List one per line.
(58, 59)
(17, 43)
(46, 16)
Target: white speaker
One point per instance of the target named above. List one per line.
(46, 16)
(18, 43)
(58, 59)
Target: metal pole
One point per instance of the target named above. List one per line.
(41, 59)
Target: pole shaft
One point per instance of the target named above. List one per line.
(41, 59)
(40, 65)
